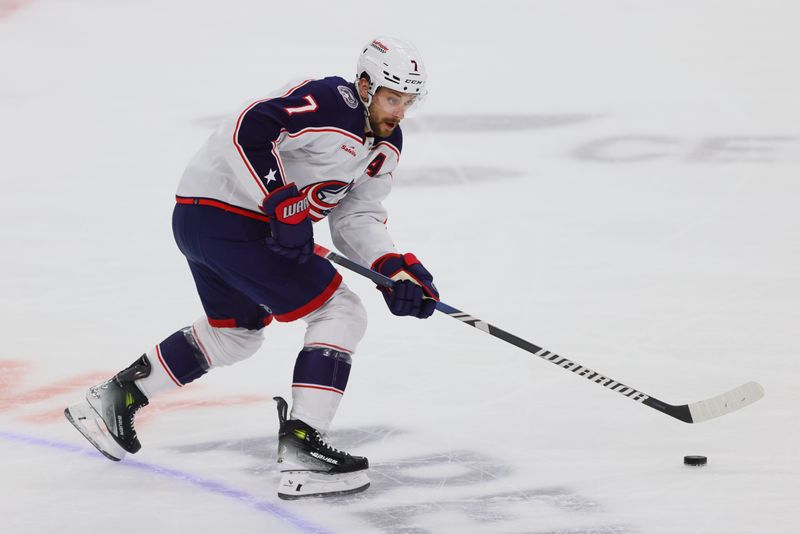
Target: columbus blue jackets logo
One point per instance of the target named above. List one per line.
(348, 96)
(324, 196)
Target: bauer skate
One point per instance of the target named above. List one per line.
(105, 417)
(324, 471)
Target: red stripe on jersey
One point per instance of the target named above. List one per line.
(222, 323)
(298, 86)
(277, 157)
(221, 205)
(351, 135)
(314, 304)
(239, 147)
(390, 146)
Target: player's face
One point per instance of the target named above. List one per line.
(387, 109)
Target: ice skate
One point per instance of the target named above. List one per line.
(105, 417)
(322, 470)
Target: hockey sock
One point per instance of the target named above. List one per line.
(176, 361)
(320, 378)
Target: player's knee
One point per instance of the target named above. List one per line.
(226, 346)
(341, 322)
(357, 316)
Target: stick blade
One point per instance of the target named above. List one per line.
(727, 402)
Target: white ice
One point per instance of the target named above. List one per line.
(616, 181)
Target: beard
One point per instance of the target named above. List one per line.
(384, 127)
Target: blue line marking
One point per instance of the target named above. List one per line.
(205, 484)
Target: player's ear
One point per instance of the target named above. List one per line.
(363, 88)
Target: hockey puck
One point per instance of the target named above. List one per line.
(695, 460)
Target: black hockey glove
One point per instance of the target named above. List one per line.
(292, 233)
(413, 292)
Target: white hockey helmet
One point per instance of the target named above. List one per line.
(394, 64)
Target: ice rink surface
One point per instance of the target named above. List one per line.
(616, 181)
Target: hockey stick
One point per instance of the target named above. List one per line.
(695, 412)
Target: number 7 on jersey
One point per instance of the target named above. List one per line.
(312, 106)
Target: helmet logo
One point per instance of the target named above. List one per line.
(416, 68)
(379, 46)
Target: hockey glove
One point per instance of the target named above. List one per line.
(292, 233)
(413, 292)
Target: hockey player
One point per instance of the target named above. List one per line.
(243, 219)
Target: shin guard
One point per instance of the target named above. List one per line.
(320, 378)
(176, 361)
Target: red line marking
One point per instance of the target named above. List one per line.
(11, 374)
(9, 7)
(55, 389)
(220, 402)
(56, 415)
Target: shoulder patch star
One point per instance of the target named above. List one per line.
(270, 176)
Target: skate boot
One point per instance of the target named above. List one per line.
(324, 470)
(105, 417)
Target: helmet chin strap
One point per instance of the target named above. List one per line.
(366, 103)
(370, 94)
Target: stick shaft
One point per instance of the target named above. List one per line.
(729, 401)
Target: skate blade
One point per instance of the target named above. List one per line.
(301, 484)
(91, 426)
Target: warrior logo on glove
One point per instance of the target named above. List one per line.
(292, 235)
(291, 208)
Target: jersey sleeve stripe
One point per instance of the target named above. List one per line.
(239, 125)
(298, 86)
(328, 129)
(390, 147)
(277, 157)
(239, 147)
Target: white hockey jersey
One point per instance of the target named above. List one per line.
(311, 134)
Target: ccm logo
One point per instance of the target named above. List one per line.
(414, 82)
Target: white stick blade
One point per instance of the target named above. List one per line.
(728, 402)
